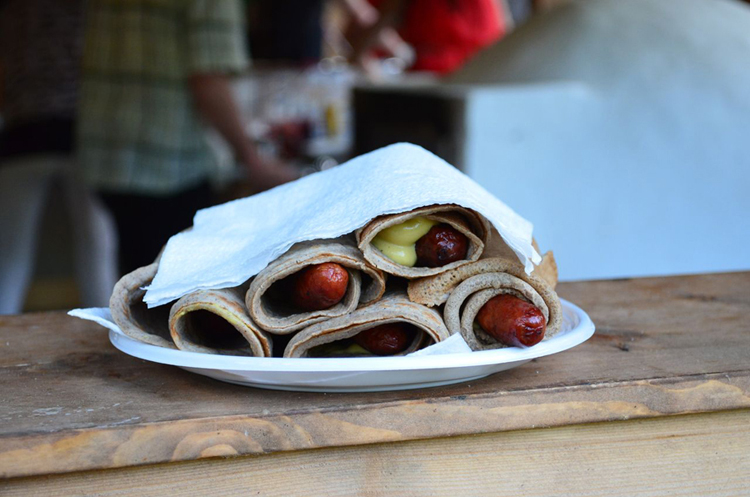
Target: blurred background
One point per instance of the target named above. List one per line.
(620, 129)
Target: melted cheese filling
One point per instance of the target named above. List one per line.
(398, 243)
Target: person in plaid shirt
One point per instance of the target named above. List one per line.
(153, 73)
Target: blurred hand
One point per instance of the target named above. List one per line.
(366, 38)
(264, 174)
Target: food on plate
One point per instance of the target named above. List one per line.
(338, 337)
(319, 286)
(466, 290)
(512, 321)
(216, 322)
(331, 297)
(132, 315)
(302, 286)
(445, 236)
(377, 257)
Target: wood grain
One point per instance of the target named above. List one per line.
(694, 455)
(664, 346)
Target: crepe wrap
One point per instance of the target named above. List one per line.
(232, 332)
(366, 284)
(394, 307)
(466, 289)
(547, 268)
(473, 225)
(132, 315)
(435, 290)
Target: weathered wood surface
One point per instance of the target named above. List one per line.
(69, 401)
(694, 455)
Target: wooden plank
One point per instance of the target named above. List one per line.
(664, 346)
(191, 439)
(694, 455)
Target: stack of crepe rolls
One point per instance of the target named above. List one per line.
(425, 241)
(476, 288)
(333, 298)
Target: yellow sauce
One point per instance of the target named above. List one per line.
(398, 242)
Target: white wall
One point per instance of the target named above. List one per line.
(622, 130)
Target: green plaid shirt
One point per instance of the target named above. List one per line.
(139, 131)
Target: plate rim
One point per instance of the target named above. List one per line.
(584, 329)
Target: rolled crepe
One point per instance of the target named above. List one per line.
(132, 315)
(394, 307)
(434, 291)
(275, 314)
(473, 225)
(216, 322)
(467, 288)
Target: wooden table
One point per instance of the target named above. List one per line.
(656, 403)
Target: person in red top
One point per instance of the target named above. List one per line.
(444, 34)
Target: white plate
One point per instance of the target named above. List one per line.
(369, 374)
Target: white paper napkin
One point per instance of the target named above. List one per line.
(99, 315)
(232, 242)
(454, 344)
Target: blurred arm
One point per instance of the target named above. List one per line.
(379, 31)
(212, 94)
(216, 50)
(213, 97)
